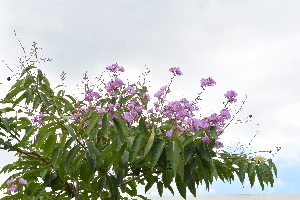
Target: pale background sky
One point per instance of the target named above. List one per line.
(252, 47)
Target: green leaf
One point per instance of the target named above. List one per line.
(204, 151)
(160, 188)
(19, 99)
(91, 163)
(136, 146)
(44, 99)
(105, 125)
(72, 154)
(49, 144)
(93, 122)
(93, 151)
(27, 69)
(113, 187)
(12, 93)
(40, 139)
(157, 150)
(180, 186)
(106, 152)
(213, 132)
(70, 130)
(55, 155)
(173, 155)
(47, 126)
(242, 170)
(251, 168)
(149, 143)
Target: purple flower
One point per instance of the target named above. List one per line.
(9, 182)
(83, 110)
(169, 133)
(22, 181)
(230, 95)
(112, 85)
(115, 68)
(75, 116)
(220, 144)
(101, 110)
(138, 109)
(129, 116)
(180, 128)
(160, 92)
(146, 97)
(207, 82)
(112, 106)
(36, 120)
(176, 70)
(85, 124)
(225, 114)
(130, 90)
(205, 139)
(12, 188)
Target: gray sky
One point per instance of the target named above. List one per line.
(251, 47)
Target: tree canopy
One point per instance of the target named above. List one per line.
(104, 145)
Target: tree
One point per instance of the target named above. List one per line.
(104, 145)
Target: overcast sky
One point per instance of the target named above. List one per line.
(251, 47)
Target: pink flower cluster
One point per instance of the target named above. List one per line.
(176, 71)
(115, 68)
(14, 186)
(37, 120)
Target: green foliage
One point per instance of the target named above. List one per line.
(108, 157)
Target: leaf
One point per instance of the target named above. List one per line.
(40, 139)
(204, 151)
(91, 163)
(55, 155)
(47, 126)
(71, 155)
(48, 178)
(93, 151)
(173, 155)
(19, 99)
(70, 130)
(149, 143)
(49, 144)
(272, 166)
(157, 150)
(44, 99)
(113, 187)
(105, 125)
(213, 132)
(242, 170)
(12, 94)
(180, 186)
(136, 146)
(93, 122)
(251, 168)
(160, 188)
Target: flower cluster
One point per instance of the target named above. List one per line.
(115, 68)
(207, 82)
(14, 186)
(113, 85)
(176, 71)
(90, 94)
(161, 92)
(179, 114)
(37, 120)
(230, 95)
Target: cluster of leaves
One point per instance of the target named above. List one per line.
(66, 151)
